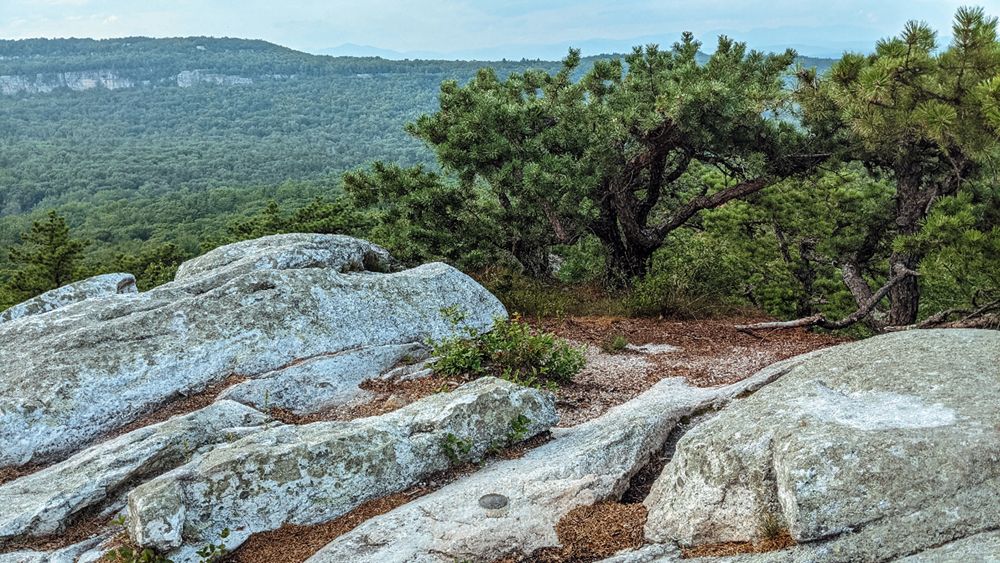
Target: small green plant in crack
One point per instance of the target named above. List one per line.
(519, 428)
(268, 418)
(614, 343)
(408, 360)
(129, 552)
(452, 445)
(213, 552)
(494, 448)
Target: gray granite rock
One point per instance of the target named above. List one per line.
(74, 374)
(87, 551)
(324, 381)
(980, 548)
(282, 252)
(317, 472)
(90, 288)
(882, 447)
(44, 502)
(582, 465)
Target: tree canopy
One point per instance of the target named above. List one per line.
(922, 118)
(48, 259)
(607, 155)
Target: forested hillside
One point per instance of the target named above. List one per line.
(697, 183)
(293, 116)
(139, 141)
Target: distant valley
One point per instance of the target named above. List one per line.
(142, 141)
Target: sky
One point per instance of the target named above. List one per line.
(447, 26)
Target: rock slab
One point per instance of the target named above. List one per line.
(81, 371)
(883, 447)
(44, 502)
(582, 465)
(317, 472)
(90, 288)
(324, 381)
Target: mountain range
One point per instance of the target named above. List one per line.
(818, 42)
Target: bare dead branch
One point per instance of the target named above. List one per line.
(808, 321)
(942, 317)
(820, 321)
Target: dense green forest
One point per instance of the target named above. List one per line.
(134, 168)
(862, 190)
(304, 117)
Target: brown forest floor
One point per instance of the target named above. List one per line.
(710, 353)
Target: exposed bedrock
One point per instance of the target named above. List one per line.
(878, 449)
(582, 465)
(317, 472)
(74, 374)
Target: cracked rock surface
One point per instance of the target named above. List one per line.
(317, 472)
(43, 502)
(74, 374)
(582, 465)
(882, 447)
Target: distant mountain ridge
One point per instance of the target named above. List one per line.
(810, 42)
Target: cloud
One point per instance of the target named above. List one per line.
(112, 19)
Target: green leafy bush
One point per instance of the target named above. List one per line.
(214, 552)
(699, 275)
(549, 298)
(512, 350)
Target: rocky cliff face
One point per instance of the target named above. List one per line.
(81, 80)
(189, 78)
(90, 79)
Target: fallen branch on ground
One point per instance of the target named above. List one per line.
(820, 321)
(942, 317)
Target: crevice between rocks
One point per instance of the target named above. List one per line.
(642, 482)
(588, 534)
(176, 407)
(87, 524)
(13, 472)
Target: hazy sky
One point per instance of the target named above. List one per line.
(447, 25)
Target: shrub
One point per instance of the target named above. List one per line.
(697, 276)
(512, 350)
(548, 298)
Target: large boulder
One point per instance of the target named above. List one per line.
(282, 252)
(90, 288)
(878, 449)
(317, 472)
(81, 371)
(44, 502)
(581, 466)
